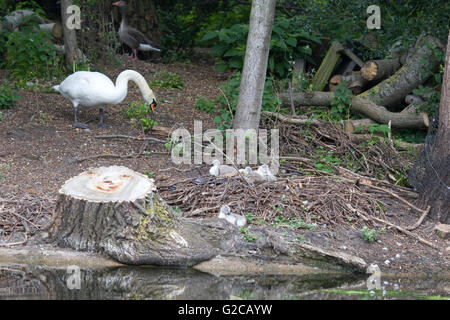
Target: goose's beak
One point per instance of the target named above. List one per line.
(153, 105)
(116, 3)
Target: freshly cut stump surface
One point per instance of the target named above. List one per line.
(118, 211)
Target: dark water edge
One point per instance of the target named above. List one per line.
(24, 282)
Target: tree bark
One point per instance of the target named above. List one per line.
(117, 211)
(70, 37)
(443, 134)
(414, 72)
(375, 112)
(248, 110)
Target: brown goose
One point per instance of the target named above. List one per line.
(132, 37)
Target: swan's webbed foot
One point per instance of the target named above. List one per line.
(80, 125)
(102, 125)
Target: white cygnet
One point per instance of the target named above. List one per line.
(235, 219)
(219, 169)
(253, 176)
(264, 171)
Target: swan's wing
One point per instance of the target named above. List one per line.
(86, 88)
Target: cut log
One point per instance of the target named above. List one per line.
(380, 69)
(414, 99)
(354, 81)
(375, 112)
(55, 29)
(415, 71)
(117, 211)
(335, 81)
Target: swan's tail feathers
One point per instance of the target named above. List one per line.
(56, 88)
(147, 47)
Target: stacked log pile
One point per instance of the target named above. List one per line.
(379, 86)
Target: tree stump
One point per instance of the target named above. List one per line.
(119, 212)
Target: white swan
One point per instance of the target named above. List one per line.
(94, 89)
(235, 219)
(219, 169)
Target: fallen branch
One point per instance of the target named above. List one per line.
(403, 230)
(419, 222)
(401, 145)
(120, 136)
(120, 156)
(360, 105)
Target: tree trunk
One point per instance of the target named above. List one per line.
(414, 72)
(70, 37)
(248, 110)
(443, 134)
(118, 211)
(375, 112)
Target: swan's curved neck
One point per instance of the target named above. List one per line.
(122, 84)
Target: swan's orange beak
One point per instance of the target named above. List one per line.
(116, 3)
(153, 105)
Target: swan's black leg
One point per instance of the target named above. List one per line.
(101, 124)
(77, 124)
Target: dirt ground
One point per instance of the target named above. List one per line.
(40, 149)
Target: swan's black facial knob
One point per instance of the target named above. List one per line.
(153, 105)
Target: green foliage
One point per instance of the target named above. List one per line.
(142, 113)
(204, 105)
(383, 129)
(401, 21)
(167, 80)
(7, 97)
(247, 235)
(288, 41)
(433, 98)
(371, 235)
(30, 54)
(183, 23)
(341, 102)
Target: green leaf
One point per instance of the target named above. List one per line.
(209, 36)
(291, 41)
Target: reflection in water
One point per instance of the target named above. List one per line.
(26, 282)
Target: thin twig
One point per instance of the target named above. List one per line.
(120, 136)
